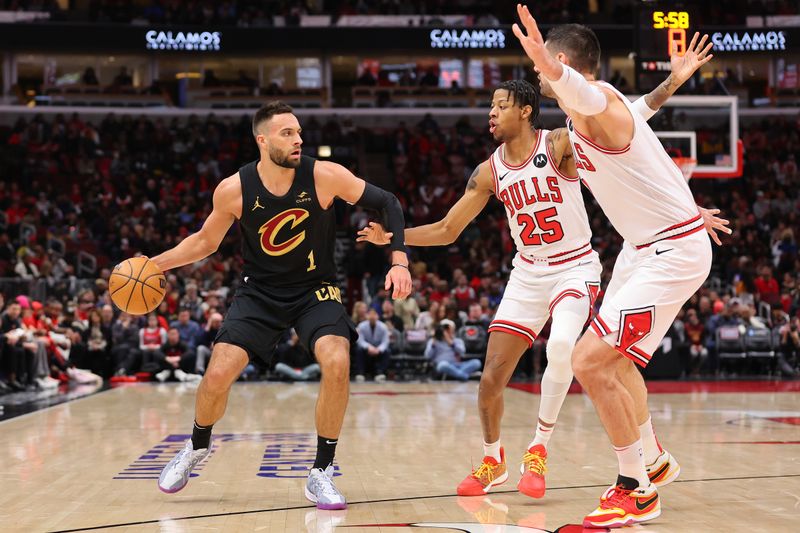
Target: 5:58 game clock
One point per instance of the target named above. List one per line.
(660, 25)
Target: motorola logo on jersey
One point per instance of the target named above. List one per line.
(270, 230)
(540, 160)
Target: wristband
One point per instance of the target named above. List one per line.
(400, 265)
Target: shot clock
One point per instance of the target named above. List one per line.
(660, 25)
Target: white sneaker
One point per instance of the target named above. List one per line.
(82, 377)
(321, 490)
(380, 378)
(360, 378)
(664, 470)
(46, 383)
(163, 375)
(181, 375)
(175, 475)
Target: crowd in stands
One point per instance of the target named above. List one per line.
(128, 185)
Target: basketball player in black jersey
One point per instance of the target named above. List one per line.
(283, 203)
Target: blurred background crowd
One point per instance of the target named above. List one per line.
(89, 193)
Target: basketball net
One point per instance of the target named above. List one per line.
(687, 165)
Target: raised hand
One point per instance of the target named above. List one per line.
(714, 223)
(696, 55)
(374, 233)
(533, 44)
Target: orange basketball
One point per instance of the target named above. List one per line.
(137, 286)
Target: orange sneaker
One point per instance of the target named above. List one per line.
(664, 470)
(621, 507)
(532, 470)
(488, 475)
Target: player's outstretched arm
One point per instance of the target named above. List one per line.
(480, 188)
(334, 181)
(227, 207)
(683, 67)
(574, 92)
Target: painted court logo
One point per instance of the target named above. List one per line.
(286, 455)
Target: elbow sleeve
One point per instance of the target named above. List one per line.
(578, 94)
(640, 106)
(391, 212)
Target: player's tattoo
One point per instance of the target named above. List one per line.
(658, 96)
(554, 139)
(473, 180)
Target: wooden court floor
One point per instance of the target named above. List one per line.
(92, 464)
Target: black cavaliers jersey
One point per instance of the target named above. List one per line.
(287, 241)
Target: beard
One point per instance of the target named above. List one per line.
(282, 159)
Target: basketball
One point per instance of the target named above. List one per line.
(137, 286)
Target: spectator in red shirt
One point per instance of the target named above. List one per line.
(442, 291)
(695, 332)
(767, 286)
(463, 294)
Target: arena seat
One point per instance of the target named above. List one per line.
(474, 338)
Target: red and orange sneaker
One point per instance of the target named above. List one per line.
(622, 507)
(489, 474)
(664, 470)
(532, 469)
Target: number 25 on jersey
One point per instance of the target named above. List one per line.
(551, 230)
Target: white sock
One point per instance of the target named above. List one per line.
(553, 395)
(652, 449)
(631, 463)
(492, 450)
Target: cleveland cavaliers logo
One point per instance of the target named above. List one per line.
(269, 232)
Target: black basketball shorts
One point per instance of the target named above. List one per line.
(259, 316)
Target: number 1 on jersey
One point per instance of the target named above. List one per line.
(311, 265)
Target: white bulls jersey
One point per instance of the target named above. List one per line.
(546, 214)
(640, 189)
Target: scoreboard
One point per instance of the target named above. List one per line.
(660, 26)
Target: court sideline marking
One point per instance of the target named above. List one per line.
(385, 500)
(65, 402)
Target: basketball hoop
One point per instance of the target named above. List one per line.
(687, 165)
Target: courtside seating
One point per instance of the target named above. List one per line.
(474, 338)
(758, 345)
(411, 363)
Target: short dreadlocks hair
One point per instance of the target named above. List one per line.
(524, 93)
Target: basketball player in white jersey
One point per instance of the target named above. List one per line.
(666, 257)
(556, 272)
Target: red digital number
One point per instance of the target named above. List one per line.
(551, 230)
(581, 160)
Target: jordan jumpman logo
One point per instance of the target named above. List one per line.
(257, 205)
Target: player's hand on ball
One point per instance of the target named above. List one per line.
(714, 223)
(696, 55)
(374, 233)
(398, 278)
